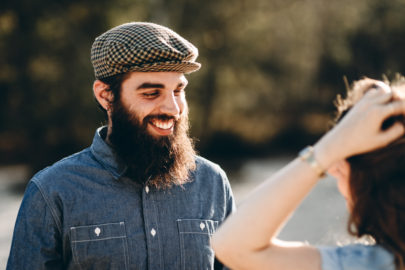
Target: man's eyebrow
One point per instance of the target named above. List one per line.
(150, 85)
(159, 85)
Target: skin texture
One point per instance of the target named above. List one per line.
(247, 239)
(340, 170)
(148, 126)
(149, 93)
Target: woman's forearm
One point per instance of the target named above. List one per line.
(260, 217)
(245, 237)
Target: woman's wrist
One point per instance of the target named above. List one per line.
(308, 155)
(328, 150)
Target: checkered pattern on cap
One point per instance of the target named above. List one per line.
(141, 46)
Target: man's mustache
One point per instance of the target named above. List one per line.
(162, 117)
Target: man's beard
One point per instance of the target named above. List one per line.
(160, 162)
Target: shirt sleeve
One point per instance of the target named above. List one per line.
(230, 208)
(231, 205)
(356, 257)
(36, 240)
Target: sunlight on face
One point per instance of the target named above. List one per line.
(160, 96)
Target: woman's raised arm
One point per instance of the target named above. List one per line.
(246, 240)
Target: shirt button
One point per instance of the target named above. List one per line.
(147, 189)
(153, 232)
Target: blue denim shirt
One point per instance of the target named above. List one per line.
(356, 257)
(83, 213)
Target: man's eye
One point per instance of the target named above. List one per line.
(178, 91)
(150, 94)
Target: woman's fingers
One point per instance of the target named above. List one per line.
(360, 130)
(392, 133)
(385, 111)
(383, 86)
(399, 92)
(363, 123)
(392, 109)
(365, 85)
(378, 95)
(396, 107)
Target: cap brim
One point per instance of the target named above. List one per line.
(183, 67)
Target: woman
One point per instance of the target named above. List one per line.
(373, 192)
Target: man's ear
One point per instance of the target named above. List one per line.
(102, 94)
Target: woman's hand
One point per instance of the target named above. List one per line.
(246, 240)
(360, 130)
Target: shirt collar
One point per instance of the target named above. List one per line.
(105, 154)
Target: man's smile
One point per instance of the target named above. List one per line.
(163, 124)
(162, 127)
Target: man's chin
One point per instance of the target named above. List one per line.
(162, 156)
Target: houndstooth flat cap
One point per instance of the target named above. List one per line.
(142, 46)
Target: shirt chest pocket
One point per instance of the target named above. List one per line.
(101, 246)
(195, 234)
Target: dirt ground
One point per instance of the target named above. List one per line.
(320, 219)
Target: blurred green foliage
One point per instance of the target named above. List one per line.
(271, 68)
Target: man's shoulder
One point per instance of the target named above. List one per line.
(205, 164)
(207, 170)
(67, 165)
(211, 180)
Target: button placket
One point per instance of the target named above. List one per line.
(153, 232)
(151, 228)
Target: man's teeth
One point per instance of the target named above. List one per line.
(163, 124)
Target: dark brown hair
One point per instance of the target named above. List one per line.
(114, 85)
(377, 187)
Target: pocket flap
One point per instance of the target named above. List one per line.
(197, 226)
(97, 232)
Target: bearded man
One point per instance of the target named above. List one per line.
(139, 197)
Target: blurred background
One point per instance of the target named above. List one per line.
(270, 72)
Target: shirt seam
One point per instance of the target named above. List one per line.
(47, 202)
(101, 239)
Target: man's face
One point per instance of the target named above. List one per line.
(149, 128)
(156, 98)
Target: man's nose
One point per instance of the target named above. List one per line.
(170, 105)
